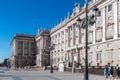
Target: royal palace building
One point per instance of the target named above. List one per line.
(69, 39)
(103, 36)
(23, 51)
(42, 42)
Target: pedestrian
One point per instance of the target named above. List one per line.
(111, 73)
(115, 72)
(118, 71)
(106, 69)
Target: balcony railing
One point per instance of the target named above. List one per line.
(99, 40)
(90, 42)
(109, 37)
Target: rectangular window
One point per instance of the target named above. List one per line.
(71, 28)
(99, 56)
(109, 32)
(83, 39)
(99, 13)
(109, 55)
(110, 7)
(66, 30)
(90, 37)
(99, 35)
(55, 36)
(62, 32)
(59, 34)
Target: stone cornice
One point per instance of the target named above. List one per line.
(80, 46)
(91, 5)
(45, 33)
(22, 36)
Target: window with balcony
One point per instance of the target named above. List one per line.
(109, 32)
(110, 7)
(99, 13)
(55, 36)
(62, 32)
(90, 37)
(98, 56)
(66, 30)
(82, 38)
(20, 44)
(99, 35)
(109, 54)
(71, 41)
(71, 28)
(58, 34)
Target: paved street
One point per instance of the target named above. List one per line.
(44, 75)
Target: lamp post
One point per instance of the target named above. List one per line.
(44, 54)
(88, 20)
(44, 50)
(51, 57)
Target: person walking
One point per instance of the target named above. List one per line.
(118, 71)
(106, 69)
(111, 73)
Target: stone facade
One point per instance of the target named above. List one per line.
(23, 51)
(103, 37)
(69, 40)
(42, 42)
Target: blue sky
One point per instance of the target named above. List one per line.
(26, 16)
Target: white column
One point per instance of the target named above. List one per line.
(68, 36)
(60, 41)
(119, 17)
(115, 13)
(79, 36)
(68, 59)
(77, 55)
(73, 26)
(104, 23)
(73, 62)
(64, 39)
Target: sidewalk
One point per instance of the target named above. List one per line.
(46, 75)
(72, 76)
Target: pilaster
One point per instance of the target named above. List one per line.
(73, 27)
(115, 13)
(64, 39)
(68, 36)
(104, 23)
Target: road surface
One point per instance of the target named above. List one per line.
(44, 75)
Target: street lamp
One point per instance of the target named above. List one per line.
(51, 57)
(88, 20)
(44, 53)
